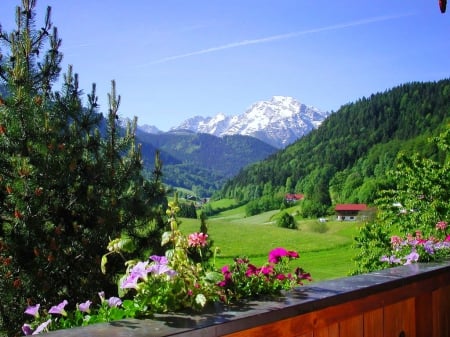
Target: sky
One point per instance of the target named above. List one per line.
(176, 59)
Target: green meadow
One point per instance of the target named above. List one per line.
(325, 248)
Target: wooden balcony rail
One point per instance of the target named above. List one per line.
(406, 301)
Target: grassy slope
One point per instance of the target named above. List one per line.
(325, 255)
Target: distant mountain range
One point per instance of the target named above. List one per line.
(278, 122)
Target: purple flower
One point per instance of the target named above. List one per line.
(161, 266)
(42, 327)
(390, 259)
(139, 271)
(429, 247)
(275, 255)
(59, 309)
(412, 257)
(101, 294)
(114, 302)
(27, 331)
(85, 307)
(33, 310)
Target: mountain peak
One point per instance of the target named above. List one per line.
(279, 121)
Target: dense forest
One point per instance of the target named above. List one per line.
(346, 158)
(201, 162)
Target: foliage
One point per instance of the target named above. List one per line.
(416, 248)
(64, 187)
(202, 161)
(416, 200)
(286, 220)
(347, 157)
(188, 210)
(243, 280)
(172, 282)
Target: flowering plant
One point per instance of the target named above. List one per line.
(416, 248)
(173, 281)
(244, 280)
(57, 317)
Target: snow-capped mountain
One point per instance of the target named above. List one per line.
(278, 122)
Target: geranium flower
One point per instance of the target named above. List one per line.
(197, 240)
(395, 240)
(441, 225)
(59, 309)
(33, 310)
(85, 307)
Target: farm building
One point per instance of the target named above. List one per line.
(345, 212)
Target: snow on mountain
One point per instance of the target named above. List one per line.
(279, 122)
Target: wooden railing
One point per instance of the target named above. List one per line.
(405, 301)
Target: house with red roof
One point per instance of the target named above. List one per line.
(346, 212)
(292, 197)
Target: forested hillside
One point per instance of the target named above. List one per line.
(346, 158)
(201, 162)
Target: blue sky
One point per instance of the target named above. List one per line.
(174, 59)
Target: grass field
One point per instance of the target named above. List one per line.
(325, 249)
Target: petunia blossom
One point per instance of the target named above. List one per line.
(33, 310)
(26, 329)
(275, 255)
(160, 266)
(114, 302)
(85, 307)
(412, 257)
(42, 327)
(59, 309)
(139, 271)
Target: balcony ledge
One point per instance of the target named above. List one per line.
(219, 320)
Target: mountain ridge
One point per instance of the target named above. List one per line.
(279, 122)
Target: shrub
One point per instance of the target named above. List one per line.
(287, 221)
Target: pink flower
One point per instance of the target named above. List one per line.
(267, 270)
(441, 225)
(197, 240)
(281, 277)
(59, 309)
(33, 310)
(395, 240)
(251, 270)
(277, 254)
(227, 276)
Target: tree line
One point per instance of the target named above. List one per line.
(346, 158)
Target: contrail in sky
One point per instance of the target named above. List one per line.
(276, 38)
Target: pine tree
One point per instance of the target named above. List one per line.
(66, 187)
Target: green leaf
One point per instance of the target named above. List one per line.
(103, 263)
